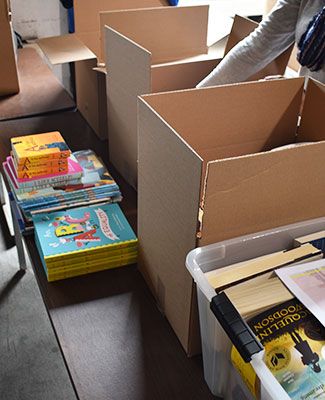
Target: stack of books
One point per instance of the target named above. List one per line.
(84, 240)
(45, 176)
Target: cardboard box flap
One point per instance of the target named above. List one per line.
(166, 77)
(241, 28)
(169, 33)
(168, 232)
(86, 13)
(65, 49)
(129, 75)
(312, 126)
(5, 14)
(259, 104)
(248, 181)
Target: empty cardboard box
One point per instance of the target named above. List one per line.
(9, 83)
(83, 48)
(207, 173)
(156, 50)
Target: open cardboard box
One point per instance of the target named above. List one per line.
(83, 48)
(209, 149)
(155, 50)
(9, 83)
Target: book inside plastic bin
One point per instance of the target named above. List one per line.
(219, 373)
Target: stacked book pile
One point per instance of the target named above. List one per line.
(83, 240)
(45, 176)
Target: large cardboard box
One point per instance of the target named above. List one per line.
(206, 174)
(9, 83)
(83, 48)
(156, 50)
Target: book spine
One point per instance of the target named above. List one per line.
(42, 157)
(93, 250)
(82, 271)
(40, 172)
(41, 165)
(47, 182)
(70, 261)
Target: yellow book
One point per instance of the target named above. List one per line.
(90, 259)
(64, 274)
(293, 341)
(43, 146)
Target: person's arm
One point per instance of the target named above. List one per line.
(273, 35)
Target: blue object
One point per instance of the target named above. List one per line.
(173, 2)
(71, 20)
(312, 43)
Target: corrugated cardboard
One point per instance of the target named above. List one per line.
(173, 44)
(84, 47)
(9, 83)
(210, 148)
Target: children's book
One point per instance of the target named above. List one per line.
(80, 230)
(307, 283)
(294, 343)
(43, 146)
(74, 173)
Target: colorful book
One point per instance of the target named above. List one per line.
(43, 146)
(77, 232)
(74, 173)
(40, 173)
(294, 343)
(31, 166)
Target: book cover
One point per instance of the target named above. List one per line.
(294, 343)
(43, 146)
(307, 283)
(83, 229)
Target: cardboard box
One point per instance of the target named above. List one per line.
(83, 48)
(9, 83)
(208, 149)
(155, 50)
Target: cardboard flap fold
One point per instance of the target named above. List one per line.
(312, 126)
(129, 75)
(259, 192)
(65, 49)
(259, 104)
(180, 76)
(169, 33)
(86, 12)
(167, 214)
(241, 28)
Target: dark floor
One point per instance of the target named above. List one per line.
(31, 365)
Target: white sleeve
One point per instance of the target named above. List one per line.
(273, 35)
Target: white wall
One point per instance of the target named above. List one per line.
(39, 18)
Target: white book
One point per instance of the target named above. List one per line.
(307, 283)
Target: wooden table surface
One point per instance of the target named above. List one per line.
(116, 343)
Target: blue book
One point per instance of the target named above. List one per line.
(82, 230)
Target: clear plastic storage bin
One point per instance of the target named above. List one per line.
(219, 373)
